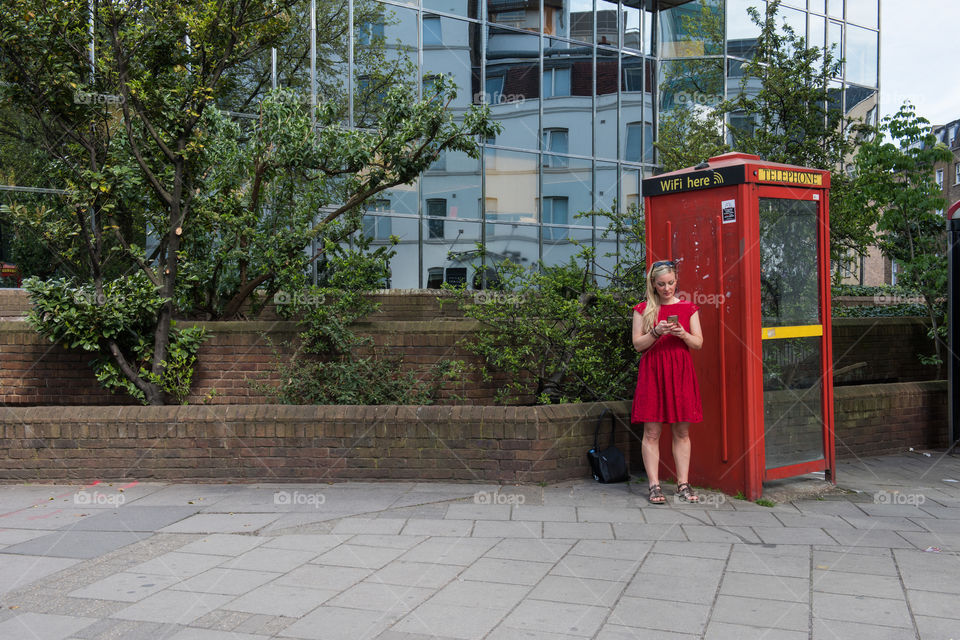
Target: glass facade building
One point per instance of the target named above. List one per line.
(578, 86)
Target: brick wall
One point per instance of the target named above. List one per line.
(877, 419)
(888, 346)
(279, 443)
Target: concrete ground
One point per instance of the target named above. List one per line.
(878, 559)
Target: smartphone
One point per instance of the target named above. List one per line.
(673, 319)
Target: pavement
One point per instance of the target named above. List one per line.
(876, 557)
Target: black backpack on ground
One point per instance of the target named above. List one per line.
(607, 465)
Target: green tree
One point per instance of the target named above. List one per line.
(897, 178)
(128, 135)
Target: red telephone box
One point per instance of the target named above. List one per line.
(752, 244)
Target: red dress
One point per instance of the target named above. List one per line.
(667, 389)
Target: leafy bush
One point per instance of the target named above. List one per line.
(555, 333)
(331, 363)
(79, 317)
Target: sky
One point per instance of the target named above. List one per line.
(918, 44)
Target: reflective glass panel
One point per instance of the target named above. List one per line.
(385, 50)
(580, 26)
(605, 123)
(380, 228)
(741, 31)
(836, 8)
(692, 29)
(453, 259)
(558, 247)
(452, 47)
(636, 105)
(792, 404)
(513, 85)
(819, 6)
(789, 293)
(795, 20)
(567, 191)
(835, 40)
(518, 243)
(861, 55)
(457, 182)
(519, 14)
(860, 103)
(606, 196)
(631, 199)
(697, 83)
(465, 8)
(631, 17)
(512, 186)
(863, 12)
(817, 33)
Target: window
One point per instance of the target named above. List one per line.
(377, 227)
(633, 77)
(555, 212)
(634, 149)
(432, 33)
(436, 208)
(956, 173)
(494, 89)
(940, 178)
(440, 164)
(556, 82)
(557, 141)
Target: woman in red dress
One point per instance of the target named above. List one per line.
(665, 328)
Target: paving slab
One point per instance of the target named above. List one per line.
(567, 618)
(660, 615)
(467, 623)
(486, 595)
(222, 523)
(173, 607)
(125, 587)
(887, 612)
(133, 518)
(17, 571)
(281, 600)
(233, 582)
(76, 544)
(43, 626)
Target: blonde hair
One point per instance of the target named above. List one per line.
(652, 309)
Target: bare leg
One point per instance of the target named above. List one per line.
(650, 451)
(681, 455)
(681, 450)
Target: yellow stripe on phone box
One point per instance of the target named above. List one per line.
(800, 331)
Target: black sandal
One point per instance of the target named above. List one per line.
(685, 492)
(656, 495)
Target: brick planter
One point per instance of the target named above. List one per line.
(281, 443)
